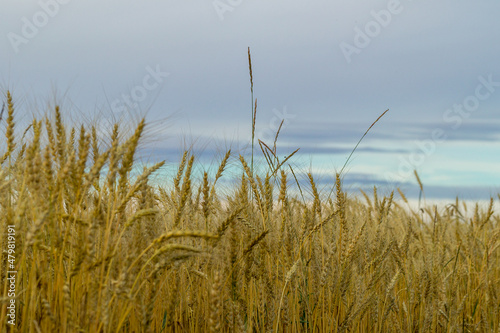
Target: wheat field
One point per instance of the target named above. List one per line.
(100, 250)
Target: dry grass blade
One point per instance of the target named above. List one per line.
(357, 144)
(298, 184)
(267, 151)
(1, 112)
(284, 161)
(276, 137)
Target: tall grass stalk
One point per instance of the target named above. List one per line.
(254, 105)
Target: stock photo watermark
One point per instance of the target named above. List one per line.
(11, 275)
(151, 81)
(453, 118)
(223, 6)
(30, 27)
(268, 133)
(372, 29)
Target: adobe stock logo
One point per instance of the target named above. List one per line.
(151, 81)
(453, 118)
(268, 133)
(125, 106)
(31, 27)
(372, 29)
(223, 6)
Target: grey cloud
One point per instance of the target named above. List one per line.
(334, 132)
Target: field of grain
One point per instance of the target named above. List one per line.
(97, 250)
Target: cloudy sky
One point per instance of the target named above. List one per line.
(328, 68)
